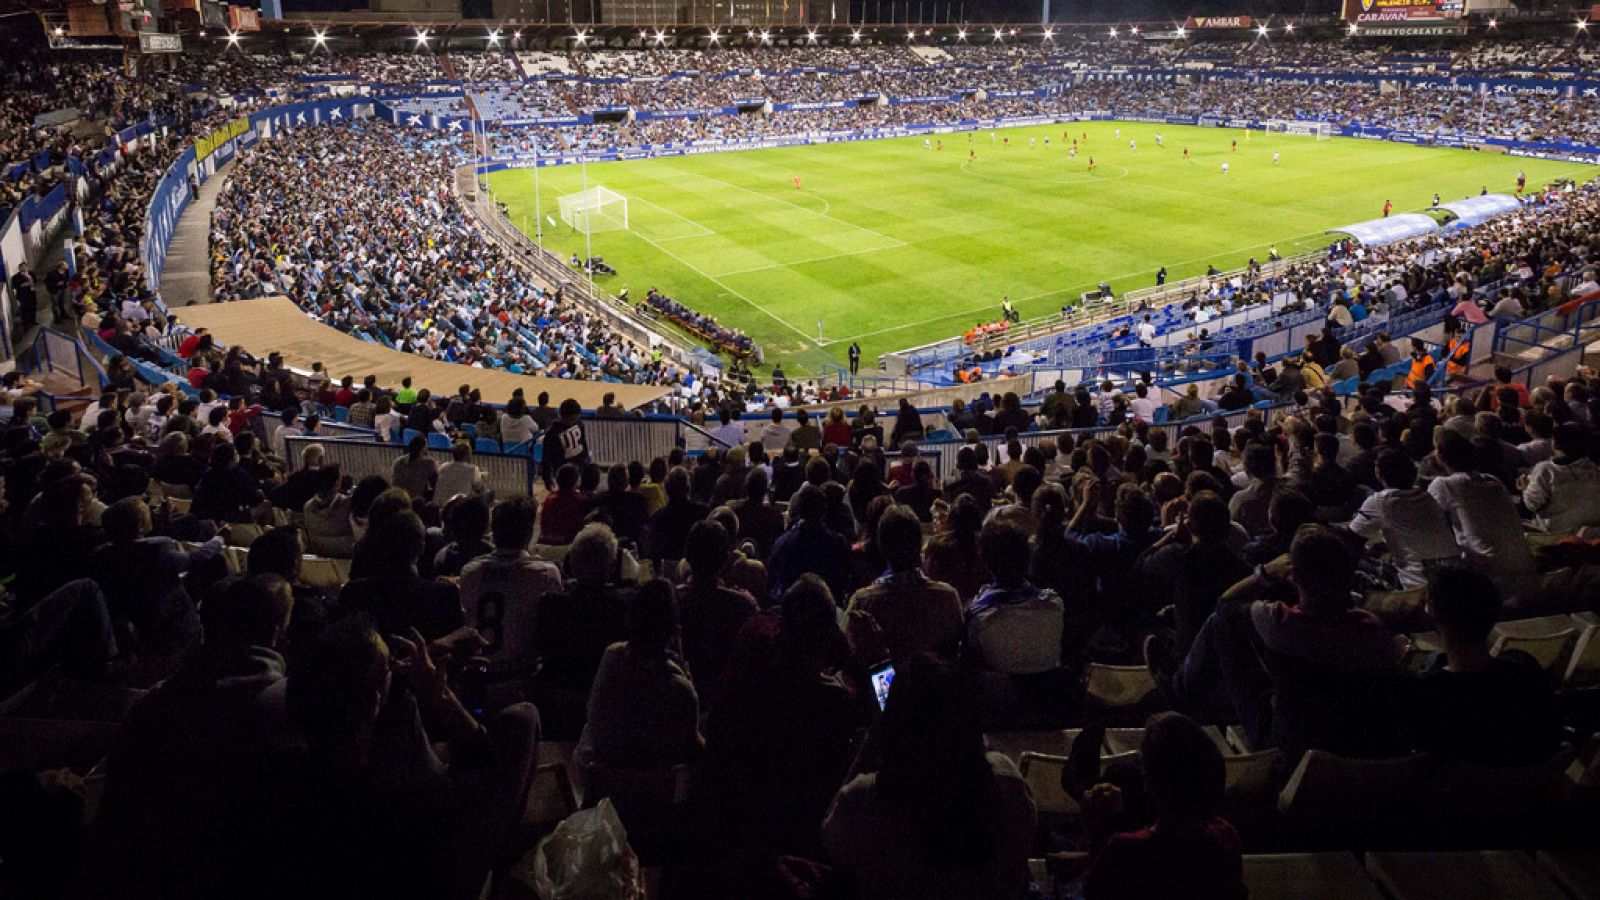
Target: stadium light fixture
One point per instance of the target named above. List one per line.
(1262, 31)
(811, 36)
(60, 31)
(422, 37)
(1134, 29)
(1013, 32)
(202, 32)
(661, 37)
(766, 38)
(320, 38)
(1493, 24)
(961, 34)
(911, 35)
(1289, 28)
(999, 34)
(1181, 32)
(750, 35)
(927, 32)
(582, 38)
(714, 36)
(1582, 25)
(1112, 32)
(494, 38)
(1049, 35)
(1353, 28)
(233, 38)
(855, 37)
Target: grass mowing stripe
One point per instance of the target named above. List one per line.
(896, 246)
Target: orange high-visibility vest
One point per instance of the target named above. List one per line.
(1419, 370)
(1458, 357)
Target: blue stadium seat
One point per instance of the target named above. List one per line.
(407, 434)
(521, 449)
(439, 441)
(341, 413)
(486, 445)
(470, 430)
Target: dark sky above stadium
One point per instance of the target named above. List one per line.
(1060, 10)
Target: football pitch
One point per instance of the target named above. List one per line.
(890, 244)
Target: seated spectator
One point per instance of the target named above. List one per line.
(191, 744)
(622, 507)
(466, 526)
(644, 714)
(669, 526)
(1483, 516)
(226, 492)
(952, 556)
(329, 531)
(1407, 520)
(1327, 658)
(1189, 850)
(575, 626)
(1467, 705)
(392, 593)
(760, 522)
(780, 732)
(364, 804)
(415, 471)
(1563, 492)
(968, 480)
(809, 546)
(939, 817)
(143, 577)
(564, 509)
(1013, 626)
(458, 477)
(710, 611)
(501, 592)
(909, 613)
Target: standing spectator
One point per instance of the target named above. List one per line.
(564, 442)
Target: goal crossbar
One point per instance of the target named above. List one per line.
(597, 209)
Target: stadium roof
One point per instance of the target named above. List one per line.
(1477, 210)
(1377, 232)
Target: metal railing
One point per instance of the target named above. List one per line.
(637, 329)
(507, 475)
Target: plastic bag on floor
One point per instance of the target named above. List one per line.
(587, 857)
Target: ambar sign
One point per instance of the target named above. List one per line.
(1196, 22)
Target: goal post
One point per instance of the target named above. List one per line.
(1319, 130)
(597, 209)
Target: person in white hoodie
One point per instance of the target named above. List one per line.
(1563, 492)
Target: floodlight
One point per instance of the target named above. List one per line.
(422, 37)
(494, 38)
(1049, 35)
(60, 31)
(1135, 29)
(1289, 28)
(233, 37)
(961, 34)
(321, 38)
(714, 36)
(855, 36)
(1113, 32)
(1262, 30)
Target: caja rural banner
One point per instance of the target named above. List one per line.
(1401, 11)
(205, 145)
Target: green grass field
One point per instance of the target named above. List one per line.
(894, 245)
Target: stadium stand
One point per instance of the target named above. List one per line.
(1299, 599)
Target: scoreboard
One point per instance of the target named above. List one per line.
(1402, 11)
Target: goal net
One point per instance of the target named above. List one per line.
(596, 209)
(1320, 130)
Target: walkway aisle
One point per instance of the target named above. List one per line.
(186, 277)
